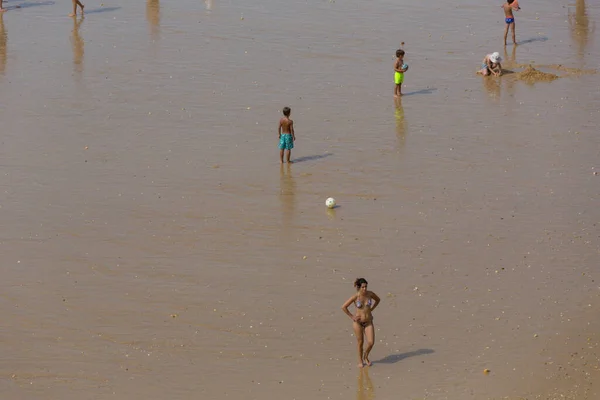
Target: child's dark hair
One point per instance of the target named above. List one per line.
(399, 53)
(287, 111)
(359, 282)
(510, 1)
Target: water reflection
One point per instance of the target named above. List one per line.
(153, 17)
(492, 87)
(510, 62)
(3, 41)
(287, 194)
(365, 390)
(78, 46)
(400, 122)
(580, 27)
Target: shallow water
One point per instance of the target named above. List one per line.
(152, 246)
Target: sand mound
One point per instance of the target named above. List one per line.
(532, 75)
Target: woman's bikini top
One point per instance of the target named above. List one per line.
(359, 303)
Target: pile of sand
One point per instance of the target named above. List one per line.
(532, 75)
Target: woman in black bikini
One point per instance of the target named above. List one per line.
(365, 302)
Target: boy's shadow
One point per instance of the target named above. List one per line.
(28, 5)
(422, 91)
(536, 39)
(102, 10)
(394, 358)
(311, 158)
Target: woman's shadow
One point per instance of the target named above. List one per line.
(394, 358)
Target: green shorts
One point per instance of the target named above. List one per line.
(398, 77)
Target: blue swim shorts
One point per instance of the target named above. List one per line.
(286, 142)
(509, 20)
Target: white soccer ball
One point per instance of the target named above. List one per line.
(330, 202)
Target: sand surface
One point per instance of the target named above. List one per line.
(152, 246)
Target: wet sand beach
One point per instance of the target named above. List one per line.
(153, 247)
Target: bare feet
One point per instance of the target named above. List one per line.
(367, 362)
(2, 10)
(71, 15)
(361, 365)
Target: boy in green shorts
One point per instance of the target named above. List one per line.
(286, 133)
(399, 68)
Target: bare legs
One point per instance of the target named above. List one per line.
(514, 36)
(483, 71)
(1, 9)
(75, 4)
(361, 333)
(370, 334)
(358, 332)
(289, 154)
(398, 90)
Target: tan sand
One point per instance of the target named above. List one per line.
(152, 247)
(532, 75)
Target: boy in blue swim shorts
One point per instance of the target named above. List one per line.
(509, 18)
(286, 133)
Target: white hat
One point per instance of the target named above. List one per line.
(495, 57)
